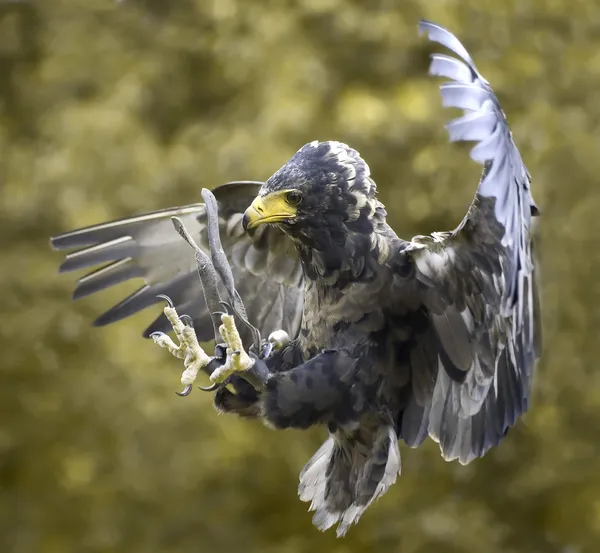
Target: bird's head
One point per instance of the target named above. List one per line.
(320, 197)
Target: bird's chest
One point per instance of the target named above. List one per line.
(319, 320)
(334, 318)
(364, 319)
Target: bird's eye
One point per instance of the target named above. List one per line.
(293, 198)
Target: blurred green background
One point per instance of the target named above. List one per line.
(113, 108)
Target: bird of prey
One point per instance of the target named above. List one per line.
(389, 339)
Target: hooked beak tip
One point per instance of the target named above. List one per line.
(251, 218)
(245, 220)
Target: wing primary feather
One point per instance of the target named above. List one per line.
(140, 299)
(464, 96)
(473, 126)
(146, 296)
(115, 273)
(112, 230)
(446, 66)
(112, 250)
(445, 38)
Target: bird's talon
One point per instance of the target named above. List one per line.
(167, 299)
(268, 349)
(228, 307)
(212, 388)
(186, 391)
(187, 320)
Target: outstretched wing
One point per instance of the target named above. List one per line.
(265, 266)
(478, 282)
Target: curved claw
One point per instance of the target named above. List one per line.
(268, 349)
(157, 334)
(167, 299)
(228, 307)
(211, 388)
(187, 320)
(186, 391)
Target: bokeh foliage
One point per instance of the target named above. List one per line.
(113, 108)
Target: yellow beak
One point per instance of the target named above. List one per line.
(268, 209)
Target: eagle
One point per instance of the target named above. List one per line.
(389, 339)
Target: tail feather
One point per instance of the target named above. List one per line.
(348, 473)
